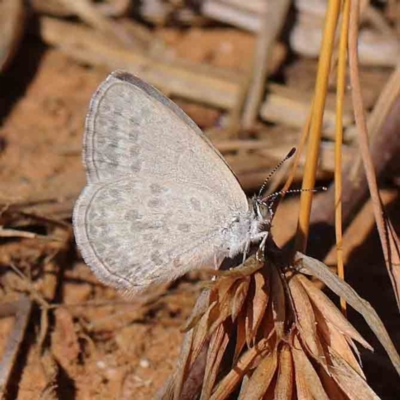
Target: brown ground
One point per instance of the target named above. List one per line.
(108, 348)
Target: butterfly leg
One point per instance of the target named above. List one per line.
(246, 250)
(216, 264)
(260, 251)
(260, 236)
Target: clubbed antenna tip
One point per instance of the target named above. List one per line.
(290, 154)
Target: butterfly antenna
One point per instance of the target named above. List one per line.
(289, 155)
(283, 192)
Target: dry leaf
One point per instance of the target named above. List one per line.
(278, 303)
(240, 335)
(216, 350)
(232, 379)
(256, 306)
(198, 311)
(64, 340)
(201, 334)
(308, 383)
(261, 378)
(355, 387)
(306, 323)
(307, 351)
(320, 271)
(336, 343)
(240, 297)
(284, 384)
(331, 312)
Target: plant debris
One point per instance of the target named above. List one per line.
(267, 330)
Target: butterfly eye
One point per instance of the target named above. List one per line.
(264, 209)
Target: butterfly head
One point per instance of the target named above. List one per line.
(264, 208)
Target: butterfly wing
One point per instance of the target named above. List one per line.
(158, 194)
(134, 233)
(125, 110)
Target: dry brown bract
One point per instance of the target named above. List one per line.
(261, 333)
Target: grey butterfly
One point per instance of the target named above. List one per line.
(160, 199)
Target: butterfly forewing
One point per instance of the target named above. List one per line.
(158, 194)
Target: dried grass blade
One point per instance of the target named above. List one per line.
(21, 309)
(198, 311)
(173, 386)
(194, 377)
(216, 350)
(330, 312)
(268, 327)
(200, 335)
(278, 303)
(355, 349)
(261, 378)
(336, 342)
(224, 305)
(256, 306)
(245, 381)
(342, 347)
(284, 383)
(313, 146)
(318, 269)
(306, 322)
(86, 10)
(389, 241)
(249, 267)
(240, 297)
(331, 387)
(308, 383)
(240, 335)
(223, 286)
(355, 387)
(232, 379)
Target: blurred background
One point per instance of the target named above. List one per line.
(245, 72)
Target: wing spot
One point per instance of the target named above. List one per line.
(147, 237)
(157, 243)
(115, 194)
(133, 136)
(134, 121)
(184, 228)
(106, 108)
(133, 215)
(195, 203)
(134, 151)
(154, 203)
(100, 248)
(156, 258)
(156, 188)
(136, 166)
(114, 127)
(177, 262)
(100, 140)
(110, 154)
(93, 231)
(150, 225)
(134, 271)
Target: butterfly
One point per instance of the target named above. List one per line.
(160, 199)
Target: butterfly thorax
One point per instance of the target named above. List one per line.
(244, 228)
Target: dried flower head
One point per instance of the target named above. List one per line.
(264, 332)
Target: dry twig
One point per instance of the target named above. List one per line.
(22, 310)
(316, 124)
(12, 27)
(389, 240)
(273, 20)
